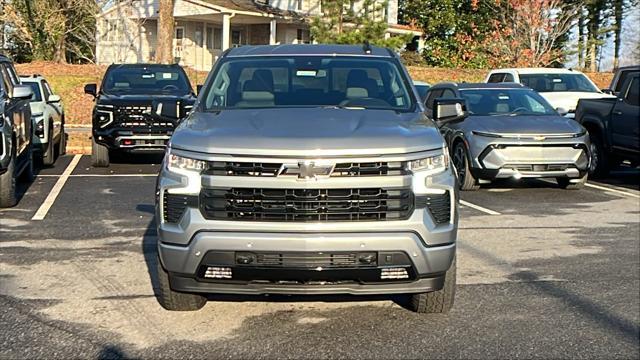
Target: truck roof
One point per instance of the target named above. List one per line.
(538, 70)
(308, 49)
(464, 85)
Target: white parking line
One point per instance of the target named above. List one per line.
(55, 191)
(102, 175)
(479, 208)
(615, 191)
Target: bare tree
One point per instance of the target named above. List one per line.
(165, 31)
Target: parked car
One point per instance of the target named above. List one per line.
(619, 78)
(47, 115)
(307, 169)
(562, 88)
(614, 123)
(422, 88)
(510, 132)
(16, 152)
(122, 116)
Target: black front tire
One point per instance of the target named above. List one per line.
(99, 154)
(62, 145)
(566, 184)
(600, 161)
(49, 154)
(437, 302)
(463, 168)
(8, 191)
(174, 300)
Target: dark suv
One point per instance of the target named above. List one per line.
(125, 117)
(15, 132)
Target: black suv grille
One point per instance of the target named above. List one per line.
(369, 204)
(439, 206)
(227, 168)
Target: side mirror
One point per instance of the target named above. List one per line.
(22, 92)
(607, 91)
(54, 99)
(91, 89)
(166, 110)
(449, 111)
(562, 111)
(198, 89)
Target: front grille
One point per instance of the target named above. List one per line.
(229, 168)
(369, 204)
(174, 205)
(439, 206)
(307, 260)
(538, 167)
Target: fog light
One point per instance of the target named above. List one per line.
(218, 272)
(394, 273)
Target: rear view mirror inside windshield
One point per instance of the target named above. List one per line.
(311, 73)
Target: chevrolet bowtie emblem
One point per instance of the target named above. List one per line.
(307, 170)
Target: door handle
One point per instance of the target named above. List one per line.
(617, 112)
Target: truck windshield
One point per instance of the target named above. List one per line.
(146, 79)
(308, 81)
(499, 102)
(558, 82)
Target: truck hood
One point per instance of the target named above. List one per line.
(569, 100)
(306, 132)
(522, 124)
(125, 99)
(36, 107)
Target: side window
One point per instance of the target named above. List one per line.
(508, 78)
(632, 97)
(621, 79)
(6, 79)
(496, 78)
(46, 90)
(433, 95)
(448, 94)
(15, 80)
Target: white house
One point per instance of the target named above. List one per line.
(127, 32)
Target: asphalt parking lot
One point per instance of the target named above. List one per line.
(543, 272)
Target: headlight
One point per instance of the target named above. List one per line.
(180, 164)
(434, 163)
(480, 133)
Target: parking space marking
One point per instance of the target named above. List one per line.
(102, 175)
(479, 208)
(55, 191)
(615, 191)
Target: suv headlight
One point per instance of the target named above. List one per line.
(432, 164)
(181, 164)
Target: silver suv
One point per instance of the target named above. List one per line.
(307, 169)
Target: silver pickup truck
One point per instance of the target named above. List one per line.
(307, 169)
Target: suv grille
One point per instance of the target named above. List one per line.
(227, 168)
(439, 206)
(370, 204)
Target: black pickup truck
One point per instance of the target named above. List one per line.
(126, 116)
(614, 123)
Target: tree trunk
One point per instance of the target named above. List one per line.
(164, 47)
(617, 13)
(581, 47)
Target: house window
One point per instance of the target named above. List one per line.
(217, 38)
(209, 38)
(236, 38)
(303, 36)
(198, 35)
(299, 4)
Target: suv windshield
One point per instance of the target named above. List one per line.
(496, 102)
(36, 97)
(147, 79)
(557, 82)
(308, 81)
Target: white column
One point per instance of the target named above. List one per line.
(226, 31)
(272, 32)
(421, 44)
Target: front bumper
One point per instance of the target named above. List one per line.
(429, 245)
(133, 139)
(495, 158)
